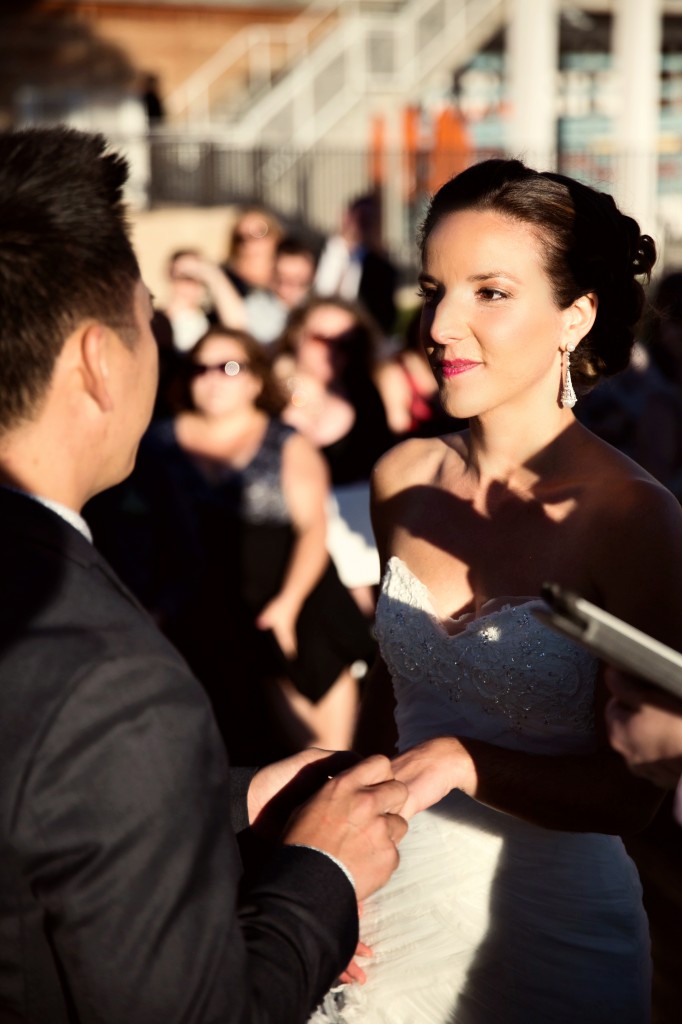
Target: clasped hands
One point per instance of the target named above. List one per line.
(334, 783)
(357, 810)
(352, 813)
(432, 769)
(357, 814)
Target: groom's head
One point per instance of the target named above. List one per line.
(71, 296)
(65, 255)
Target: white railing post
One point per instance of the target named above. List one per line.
(638, 39)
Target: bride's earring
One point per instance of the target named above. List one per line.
(568, 395)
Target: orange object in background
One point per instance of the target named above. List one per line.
(377, 156)
(452, 149)
(411, 132)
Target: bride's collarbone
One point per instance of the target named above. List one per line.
(465, 569)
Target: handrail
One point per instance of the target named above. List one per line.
(414, 60)
(294, 37)
(294, 106)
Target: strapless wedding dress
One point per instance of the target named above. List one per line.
(488, 919)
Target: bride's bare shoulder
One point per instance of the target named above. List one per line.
(416, 461)
(624, 488)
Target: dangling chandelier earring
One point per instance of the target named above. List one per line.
(568, 395)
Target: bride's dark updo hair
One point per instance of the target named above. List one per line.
(588, 245)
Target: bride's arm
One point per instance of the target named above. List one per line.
(591, 793)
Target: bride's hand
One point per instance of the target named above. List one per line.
(431, 770)
(354, 971)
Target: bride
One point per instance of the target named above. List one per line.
(515, 901)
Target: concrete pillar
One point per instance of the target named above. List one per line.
(532, 73)
(637, 46)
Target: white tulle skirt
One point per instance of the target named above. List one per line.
(489, 920)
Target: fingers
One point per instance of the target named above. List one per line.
(287, 645)
(371, 770)
(616, 713)
(284, 633)
(375, 774)
(632, 693)
(355, 818)
(649, 737)
(397, 827)
(378, 771)
(626, 688)
(353, 972)
(393, 796)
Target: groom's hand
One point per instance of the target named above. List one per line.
(277, 789)
(355, 818)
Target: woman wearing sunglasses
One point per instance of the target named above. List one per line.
(241, 579)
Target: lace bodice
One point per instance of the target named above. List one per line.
(501, 676)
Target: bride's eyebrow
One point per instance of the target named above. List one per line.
(494, 275)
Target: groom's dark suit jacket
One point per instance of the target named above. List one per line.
(118, 860)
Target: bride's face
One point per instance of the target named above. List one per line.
(489, 325)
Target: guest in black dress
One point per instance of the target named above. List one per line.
(228, 510)
(327, 358)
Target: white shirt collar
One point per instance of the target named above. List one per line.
(69, 515)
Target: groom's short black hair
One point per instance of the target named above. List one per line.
(65, 254)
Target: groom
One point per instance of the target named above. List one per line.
(119, 868)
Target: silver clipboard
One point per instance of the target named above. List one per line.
(610, 638)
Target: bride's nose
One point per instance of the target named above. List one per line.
(449, 322)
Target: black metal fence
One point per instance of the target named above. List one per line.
(309, 188)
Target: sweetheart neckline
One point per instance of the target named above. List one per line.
(465, 619)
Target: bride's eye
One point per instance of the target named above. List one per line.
(426, 294)
(491, 294)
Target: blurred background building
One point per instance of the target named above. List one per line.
(305, 105)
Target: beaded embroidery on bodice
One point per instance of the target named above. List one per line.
(502, 677)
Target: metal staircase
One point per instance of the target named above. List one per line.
(322, 76)
(248, 64)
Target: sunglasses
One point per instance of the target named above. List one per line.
(331, 341)
(231, 368)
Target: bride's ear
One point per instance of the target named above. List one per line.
(579, 319)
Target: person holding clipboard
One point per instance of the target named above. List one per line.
(644, 678)
(645, 726)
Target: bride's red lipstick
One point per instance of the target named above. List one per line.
(453, 367)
